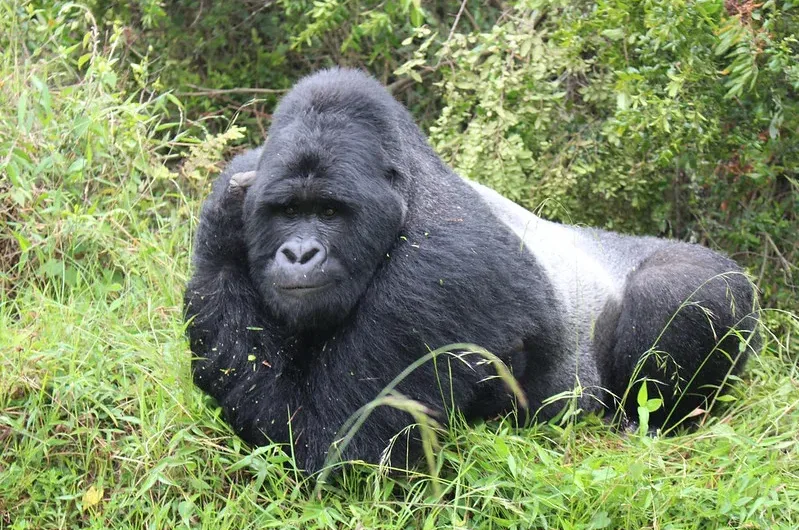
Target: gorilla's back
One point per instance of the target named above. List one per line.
(587, 266)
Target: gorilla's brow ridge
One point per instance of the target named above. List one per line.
(310, 189)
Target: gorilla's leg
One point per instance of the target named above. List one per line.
(684, 323)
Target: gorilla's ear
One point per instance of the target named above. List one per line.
(394, 177)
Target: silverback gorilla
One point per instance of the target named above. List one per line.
(342, 250)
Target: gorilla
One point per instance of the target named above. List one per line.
(343, 250)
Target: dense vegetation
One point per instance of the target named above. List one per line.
(671, 117)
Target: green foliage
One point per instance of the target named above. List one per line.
(83, 155)
(218, 55)
(656, 117)
(672, 118)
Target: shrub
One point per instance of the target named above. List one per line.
(666, 117)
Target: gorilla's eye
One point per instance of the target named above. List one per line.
(290, 210)
(329, 212)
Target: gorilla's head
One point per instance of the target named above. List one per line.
(321, 216)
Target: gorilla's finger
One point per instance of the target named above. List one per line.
(242, 180)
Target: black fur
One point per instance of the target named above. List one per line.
(416, 258)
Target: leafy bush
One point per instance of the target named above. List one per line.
(82, 153)
(229, 58)
(666, 117)
(652, 117)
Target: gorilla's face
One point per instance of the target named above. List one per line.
(319, 220)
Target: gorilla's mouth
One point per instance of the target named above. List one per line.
(302, 290)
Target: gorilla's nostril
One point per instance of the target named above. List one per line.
(308, 256)
(305, 254)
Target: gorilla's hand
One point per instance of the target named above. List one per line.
(219, 237)
(224, 208)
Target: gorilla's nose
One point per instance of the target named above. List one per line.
(303, 254)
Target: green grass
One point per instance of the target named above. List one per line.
(100, 426)
(95, 396)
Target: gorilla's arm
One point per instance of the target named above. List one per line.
(221, 304)
(233, 354)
